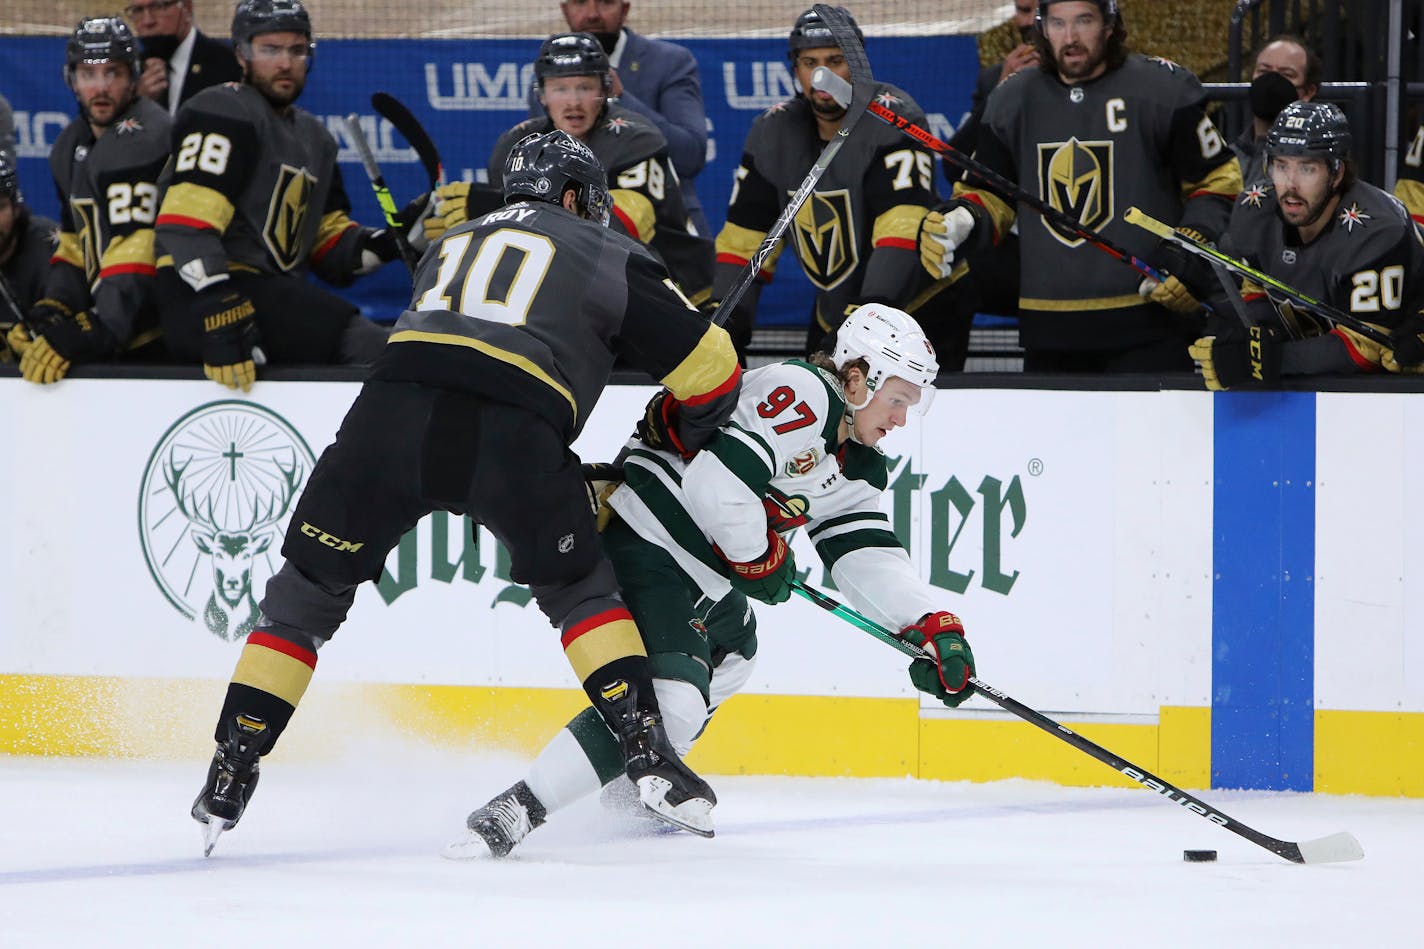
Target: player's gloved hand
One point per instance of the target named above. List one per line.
(600, 480)
(229, 336)
(62, 340)
(1173, 293)
(947, 677)
(449, 208)
(1250, 360)
(412, 220)
(768, 578)
(41, 364)
(1407, 351)
(941, 235)
(18, 339)
(658, 428)
(378, 247)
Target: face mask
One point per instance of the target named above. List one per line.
(1270, 93)
(157, 47)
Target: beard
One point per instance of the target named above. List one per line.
(1091, 61)
(279, 100)
(829, 111)
(1312, 212)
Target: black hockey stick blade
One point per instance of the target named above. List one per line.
(383, 193)
(864, 89)
(1241, 268)
(1336, 848)
(404, 121)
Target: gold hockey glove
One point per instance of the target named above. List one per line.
(941, 235)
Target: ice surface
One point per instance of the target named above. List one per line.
(100, 852)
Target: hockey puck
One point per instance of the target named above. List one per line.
(1198, 856)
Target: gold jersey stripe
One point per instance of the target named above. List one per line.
(69, 250)
(902, 221)
(494, 352)
(198, 203)
(268, 670)
(1078, 306)
(636, 212)
(743, 242)
(1224, 179)
(136, 248)
(1001, 213)
(602, 645)
(710, 365)
(333, 223)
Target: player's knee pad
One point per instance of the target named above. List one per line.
(684, 711)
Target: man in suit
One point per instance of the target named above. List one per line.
(657, 80)
(179, 60)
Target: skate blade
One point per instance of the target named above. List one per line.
(212, 830)
(469, 847)
(693, 815)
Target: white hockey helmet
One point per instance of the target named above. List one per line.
(892, 344)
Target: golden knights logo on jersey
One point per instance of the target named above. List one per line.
(86, 226)
(287, 215)
(825, 237)
(1077, 178)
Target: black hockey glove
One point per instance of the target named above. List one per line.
(1249, 360)
(1407, 351)
(600, 480)
(658, 428)
(946, 676)
(63, 340)
(378, 248)
(229, 336)
(1185, 272)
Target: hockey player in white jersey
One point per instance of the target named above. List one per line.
(692, 536)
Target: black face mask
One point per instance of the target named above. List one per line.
(610, 40)
(1270, 93)
(157, 47)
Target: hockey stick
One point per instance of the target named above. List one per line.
(404, 121)
(383, 194)
(1332, 849)
(1060, 221)
(862, 82)
(1241, 268)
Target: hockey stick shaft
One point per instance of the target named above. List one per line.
(383, 193)
(1241, 268)
(862, 82)
(7, 296)
(1336, 847)
(999, 183)
(404, 121)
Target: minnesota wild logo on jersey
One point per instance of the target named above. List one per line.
(287, 216)
(825, 237)
(1077, 178)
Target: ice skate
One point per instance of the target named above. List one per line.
(232, 777)
(498, 827)
(667, 787)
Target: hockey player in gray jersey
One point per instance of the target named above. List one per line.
(1093, 131)
(99, 298)
(855, 235)
(1315, 227)
(692, 536)
(253, 200)
(573, 80)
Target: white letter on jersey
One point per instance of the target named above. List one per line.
(1209, 137)
(1117, 117)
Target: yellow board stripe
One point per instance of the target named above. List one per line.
(602, 645)
(494, 352)
(271, 671)
(1369, 753)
